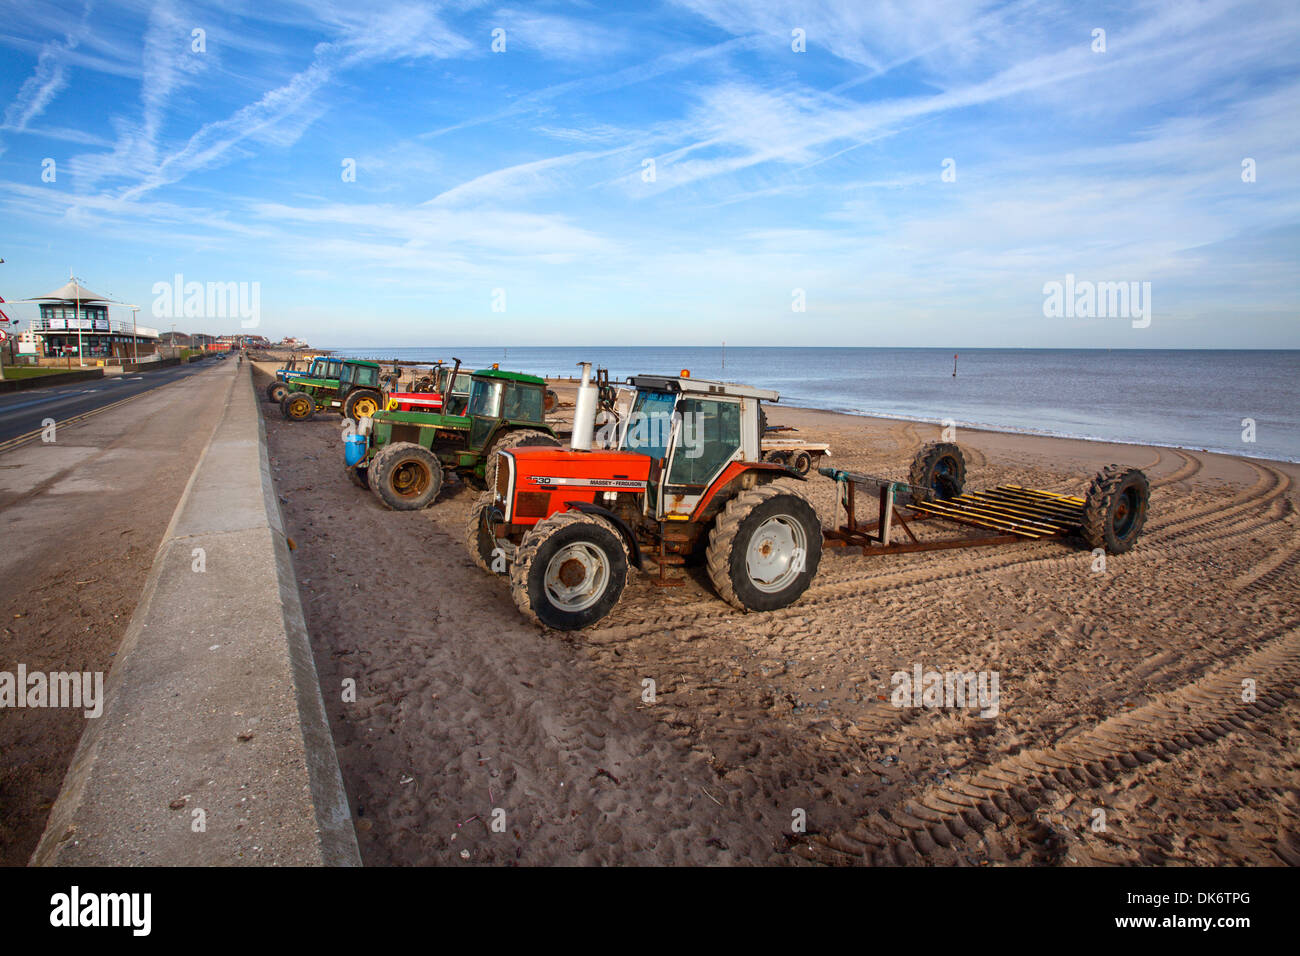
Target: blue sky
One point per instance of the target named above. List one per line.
(774, 170)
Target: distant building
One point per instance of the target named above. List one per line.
(76, 321)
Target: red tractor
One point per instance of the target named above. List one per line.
(686, 478)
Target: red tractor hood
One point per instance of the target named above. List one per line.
(541, 466)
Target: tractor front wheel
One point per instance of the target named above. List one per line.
(939, 469)
(569, 571)
(276, 391)
(765, 548)
(513, 439)
(407, 476)
(362, 404)
(1116, 508)
(480, 540)
(297, 406)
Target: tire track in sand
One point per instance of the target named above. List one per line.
(963, 816)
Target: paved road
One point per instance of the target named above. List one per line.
(23, 411)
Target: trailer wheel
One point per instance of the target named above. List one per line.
(407, 477)
(1115, 508)
(362, 404)
(940, 469)
(513, 439)
(480, 540)
(276, 391)
(802, 463)
(765, 547)
(569, 571)
(297, 406)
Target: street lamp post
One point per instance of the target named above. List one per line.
(76, 292)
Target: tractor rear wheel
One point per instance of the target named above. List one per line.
(513, 439)
(569, 571)
(407, 476)
(276, 391)
(765, 547)
(1116, 508)
(480, 540)
(940, 469)
(362, 404)
(297, 406)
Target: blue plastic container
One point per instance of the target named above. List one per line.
(354, 449)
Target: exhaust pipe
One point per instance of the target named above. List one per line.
(584, 411)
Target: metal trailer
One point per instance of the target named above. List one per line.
(801, 456)
(1002, 515)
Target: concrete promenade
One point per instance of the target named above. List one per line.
(213, 747)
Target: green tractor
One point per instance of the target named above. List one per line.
(286, 377)
(407, 452)
(354, 392)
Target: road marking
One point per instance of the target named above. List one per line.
(75, 419)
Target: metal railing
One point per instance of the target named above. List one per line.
(88, 326)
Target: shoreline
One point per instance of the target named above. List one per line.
(1013, 432)
(1008, 430)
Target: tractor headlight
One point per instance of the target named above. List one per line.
(505, 481)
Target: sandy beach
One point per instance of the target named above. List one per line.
(1120, 691)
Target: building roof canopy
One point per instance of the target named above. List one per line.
(72, 292)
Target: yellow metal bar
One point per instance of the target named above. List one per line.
(944, 512)
(1047, 494)
(1017, 512)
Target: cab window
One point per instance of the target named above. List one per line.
(485, 398)
(365, 375)
(523, 404)
(709, 437)
(650, 424)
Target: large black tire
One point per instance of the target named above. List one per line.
(569, 571)
(752, 557)
(362, 403)
(1115, 508)
(480, 541)
(297, 406)
(513, 439)
(276, 391)
(407, 476)
(940, 469)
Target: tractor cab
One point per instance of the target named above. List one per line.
(693, 431)
(498, 399)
